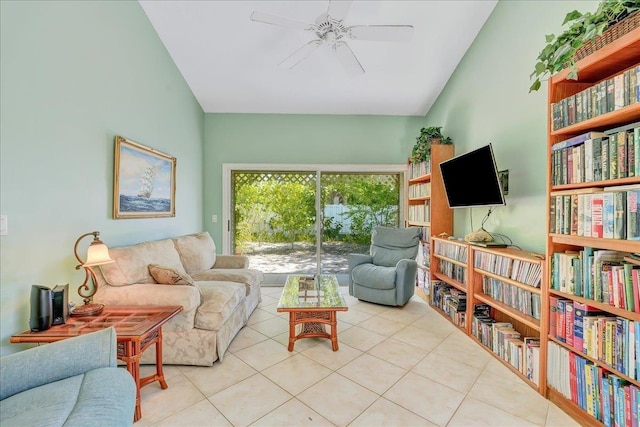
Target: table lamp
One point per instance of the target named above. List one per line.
(97, 254)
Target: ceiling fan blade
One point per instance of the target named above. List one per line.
(348, 59)
(383, 33)
(281, 21)
(303, 53)
(338, 9)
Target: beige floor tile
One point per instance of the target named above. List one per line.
(202, 414)
(435, 321)
(384, 413)
(296, 373)
(405, 315)
(360, 338)
(264, 354)
(249, 400)
(245, 338)
(449, 372)
(496, 367)
(382, 325)
(372, 373)
(370, 308)
(399, 353)
(169, 371)
(337, 399)
(271, 327)
(212, 379)
(323, 354)
(424, 339)
(157, 404)
(463, 350)
(292, 413)
(259, 315)
(517, 398)
(556, 417)
(354, 316)
(474, 413)
(428, 399)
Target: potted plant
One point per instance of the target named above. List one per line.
(428, 136)
(560, 50)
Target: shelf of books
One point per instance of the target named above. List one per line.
(593, 244)
(427, 208)
(507, 309)
(449, 278)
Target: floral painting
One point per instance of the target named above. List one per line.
(144, 181)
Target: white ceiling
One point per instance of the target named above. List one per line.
(231, 63)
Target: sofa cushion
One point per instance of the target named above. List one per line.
(197, 251)
(374, 276)
(249, 277)
(131, 262)
(219, 300)
(169, 276)
(390, 245)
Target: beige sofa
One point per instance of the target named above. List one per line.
(218, 293)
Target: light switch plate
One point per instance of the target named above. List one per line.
(214, 218)
(4, 224)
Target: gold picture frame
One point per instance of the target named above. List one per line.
(144, 181)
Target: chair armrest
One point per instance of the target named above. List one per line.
(231, 261)
(354, 260)
(150, 294)
(45, 364)
(406, 272)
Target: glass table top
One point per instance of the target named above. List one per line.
(306, 291)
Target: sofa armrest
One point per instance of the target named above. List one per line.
(45, 364)
(231, 261)
(150, 294)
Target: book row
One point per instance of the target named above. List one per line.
(515, 297)
(529, 273)
(604, 276)
(523, 353)
(450, 300)
(455, 252)
(454, 271)
(419, 169)
(610, 214)
(423, 257)
(419, 213)
(422, 280)
(602, 156)
(612, 340)
(420, 190)
(606, 96)
(604, 395)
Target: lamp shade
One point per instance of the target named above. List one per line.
(97, 254)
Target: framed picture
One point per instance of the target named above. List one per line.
(144, 181)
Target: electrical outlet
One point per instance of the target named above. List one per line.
(214, 218)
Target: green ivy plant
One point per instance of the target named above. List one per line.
(582, 28)
(422, 148)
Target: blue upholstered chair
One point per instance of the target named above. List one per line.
(388, 274)
(73, 382)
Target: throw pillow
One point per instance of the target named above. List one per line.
(169, 276)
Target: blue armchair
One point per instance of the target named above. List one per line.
(388, 274)
(73, 382)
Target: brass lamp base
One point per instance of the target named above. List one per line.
(85, 310)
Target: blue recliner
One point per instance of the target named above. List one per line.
(388, 274)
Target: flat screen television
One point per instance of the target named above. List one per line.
(471, 179)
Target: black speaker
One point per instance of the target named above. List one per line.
(41, 308)
(60, 304)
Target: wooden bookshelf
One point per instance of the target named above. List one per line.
(428, 208)
(565, 382)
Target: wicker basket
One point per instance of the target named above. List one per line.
(612, 33)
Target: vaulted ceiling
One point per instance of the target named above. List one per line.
(231, 63)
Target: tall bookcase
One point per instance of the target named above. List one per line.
(593, 329)
(427, 207)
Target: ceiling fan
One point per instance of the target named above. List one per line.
(330, 29)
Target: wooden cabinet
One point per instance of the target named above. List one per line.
(592, 331)
(427, 207)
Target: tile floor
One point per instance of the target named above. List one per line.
(395, 367)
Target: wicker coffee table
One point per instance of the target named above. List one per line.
(312, 302)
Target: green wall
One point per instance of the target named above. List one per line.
(72, 76)
(291, 139)
(486, 100)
